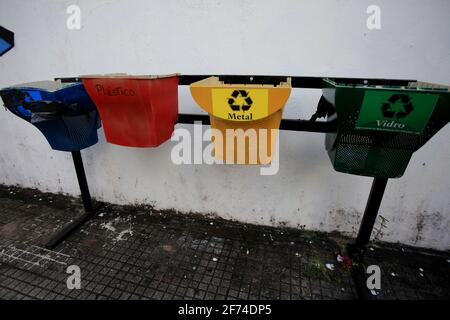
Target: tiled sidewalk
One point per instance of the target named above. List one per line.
(141, 253)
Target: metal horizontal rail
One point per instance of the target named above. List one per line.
(297, 82)
(286, 124)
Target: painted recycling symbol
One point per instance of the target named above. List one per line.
(398, 106)
(240, 100)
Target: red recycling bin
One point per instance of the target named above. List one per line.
(136, 111)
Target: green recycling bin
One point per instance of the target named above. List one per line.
(380, 126)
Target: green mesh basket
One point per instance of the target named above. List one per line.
(379, 127)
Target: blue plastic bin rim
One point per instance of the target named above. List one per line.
(63, 112)
(46, 85)
(415, 86)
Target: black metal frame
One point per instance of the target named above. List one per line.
(356, 250)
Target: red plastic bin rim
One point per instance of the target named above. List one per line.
(127, 76)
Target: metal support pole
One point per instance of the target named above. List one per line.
(87, 203)
(357, 249)
(82, 182)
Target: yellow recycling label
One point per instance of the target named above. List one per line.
(240, 104)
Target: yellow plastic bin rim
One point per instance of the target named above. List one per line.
(212, 95)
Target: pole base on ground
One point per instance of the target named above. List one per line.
(69, 229)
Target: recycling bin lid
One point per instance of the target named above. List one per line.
(247, 101)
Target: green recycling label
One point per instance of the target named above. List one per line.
(396, 111)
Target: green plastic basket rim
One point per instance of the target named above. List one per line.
(412, 86)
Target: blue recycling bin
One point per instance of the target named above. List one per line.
(64, 113)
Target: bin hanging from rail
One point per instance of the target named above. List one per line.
(381, 126)
(251, 107)
(136, 111)
(64, 113)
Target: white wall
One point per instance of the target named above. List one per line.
(317, 38)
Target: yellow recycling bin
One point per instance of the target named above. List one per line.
(243, 116)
